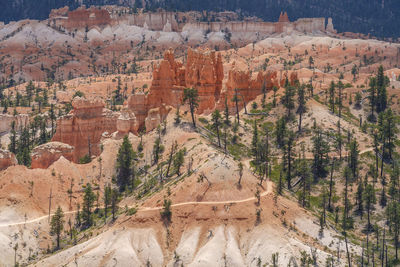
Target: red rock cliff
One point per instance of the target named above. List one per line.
(82, 18)
(85, 124)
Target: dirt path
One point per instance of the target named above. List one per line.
(145, 209)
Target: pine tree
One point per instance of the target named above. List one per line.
(346, 210)
(354, 72)
(302, 108)
(125, 158)
(158, 149)
(332, 96)
(52, 118)
(216, 124)
(288, 100)
(114, 203)
(280, 131)
(388, 132)
(174, 147)
(320, 152)
(289, 158)
(88, 200)
(305, 176)
(275, 90)
(359, 197)
(254, 141)
(24, 148)
(280, 181)
(191, 96)
(236, 100)
(381, 90)
(13, 139)
(340, 86)
(178, 161)
(370, 200)
(166, 213)
(393, 217)
(264, 92)
(372, 98)
(226, 113)
(107, 200)
(57, 225)
(240, 171)
(353, 157)
(177, 116)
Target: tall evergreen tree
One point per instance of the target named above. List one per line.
(381, 90)
(57, 225)
(107, 200)
(226, 113)
(353, 157)
(301, 100)
(216, 124)
(280, 131)
(304, 173)
(370, 200)
(393, 215)
(332, 97)
(372, 98)
(13, 139)
(236, 100)
(191, 96)
(125, 158)
(288, 99)
(289, 158)
(254, 141)
(88, 201)
(320, 152)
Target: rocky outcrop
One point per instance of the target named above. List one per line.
(21, 121)
(329, 26)
(7, 159)
(127, 122)
(204, 71)
(86, 18)
(249, 86)
(156, 116)
(84, 126)
(45, 155)
(283, 17)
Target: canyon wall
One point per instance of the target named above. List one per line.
(185, 21)
(84, 126)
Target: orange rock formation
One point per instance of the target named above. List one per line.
(7, 159)
(248, 88)
(203, 71)
(84, 126)
(45, 155)
(82, 18)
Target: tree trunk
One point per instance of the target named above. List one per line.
(192, 112)
(331, 187)
(300, 118)
(219, 141)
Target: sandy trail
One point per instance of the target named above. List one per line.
(145, 209)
